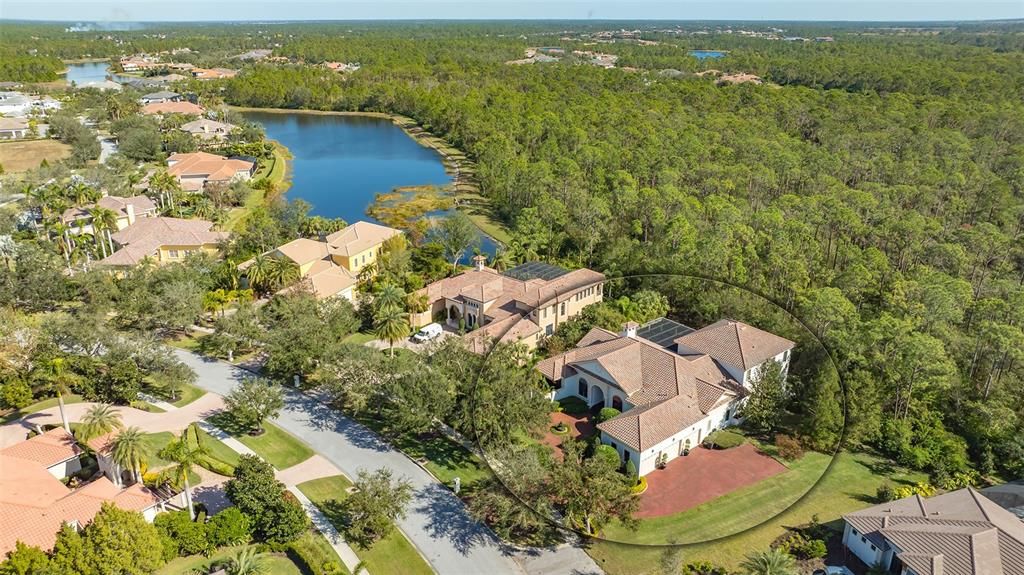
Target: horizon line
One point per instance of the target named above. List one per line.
(1017, 20)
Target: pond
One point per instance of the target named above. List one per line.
(340, 163)
(86, 72)
(708, 54)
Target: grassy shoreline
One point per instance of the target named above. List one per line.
(456, 164)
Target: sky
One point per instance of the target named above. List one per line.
(249, 10)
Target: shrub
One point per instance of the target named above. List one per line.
(921, 488)
(640, 486)
(723, 439)
(607, 413)
(799, 546)
(217, 466)
(229, 527)
(789, 447)
(703, 568)
(607, 455)
(632, 472)
(885, 492)
(16, 394)
(190, 536)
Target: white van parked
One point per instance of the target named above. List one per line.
(429, 332)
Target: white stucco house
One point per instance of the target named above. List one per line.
(672, 390)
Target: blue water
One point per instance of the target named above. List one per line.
(340, 163)
(707, 54)
(87, 72)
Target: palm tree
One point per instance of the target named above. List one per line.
(100, 419)
(247, 562)
(82, 193)
(104, 220)
(389, 295)
(501, 261)
(62, 381)
(164, 186)
(202, 207)
(258, 271)
(282, 272)
(128, 451)
(185, 456)
(770, 562)
(391, 324)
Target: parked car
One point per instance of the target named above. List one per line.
(427, 333)
(833, 570)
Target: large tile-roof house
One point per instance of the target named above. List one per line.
(510, 306)
(160, 97)
(35, 503)
(163, 240)
(208, 131)
(669, 395)
(957, 533)
(197, 169)
(127, 210)
(168, 107)
(13, 128)
(331, 267)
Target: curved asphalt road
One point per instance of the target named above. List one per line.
(437, 522)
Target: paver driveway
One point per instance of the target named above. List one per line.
(702, 476)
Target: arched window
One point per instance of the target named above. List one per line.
(617, 403)
(584, 388)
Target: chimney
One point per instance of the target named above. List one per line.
(130, 210)
(629, 329)
(479, 261)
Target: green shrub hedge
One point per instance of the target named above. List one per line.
(723, 439)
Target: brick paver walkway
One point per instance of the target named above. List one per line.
(579, 426)
(702, 476)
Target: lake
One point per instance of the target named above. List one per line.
(85, 72)
(707, 54)
(340, 163)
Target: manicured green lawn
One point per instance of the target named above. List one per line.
(39, 406)
(186, 342)
(392, 555)
(318, 550)
(217, 449)
(444, 458)
(359, 338)
(273, 563)
(152, 444)
(187, 394)
(849, 485)
(275, 445)
(147, 406)
(574, 406)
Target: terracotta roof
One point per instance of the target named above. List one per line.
(173, 108)
(303, 251)
(359, 237)
(209, 166)
(735, 343)
(147, 235)
(34, 504)
(960, 532)
(48, 449)
(116, 203)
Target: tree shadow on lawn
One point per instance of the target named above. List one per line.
(449, 519)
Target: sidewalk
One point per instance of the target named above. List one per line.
(313, 468)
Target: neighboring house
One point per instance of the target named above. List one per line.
(14, 103)
(35, 504)
(197, 169)
(161, 108)
(163, 240)
(13, 128)
(331, 267)
(127, 210)
(1009, 496)
(671, 397)
(213, 73)
(258, 54)
(522, 304)
(208, 131)
(160, 97)
(957, 533)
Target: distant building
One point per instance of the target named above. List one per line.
(161, 108)
(160, 97)
(258, 54)
(126, 209)
(198, 169)
(331, 267)
(213, 73)
(208, 131)
(163, 240)
(13, 128)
